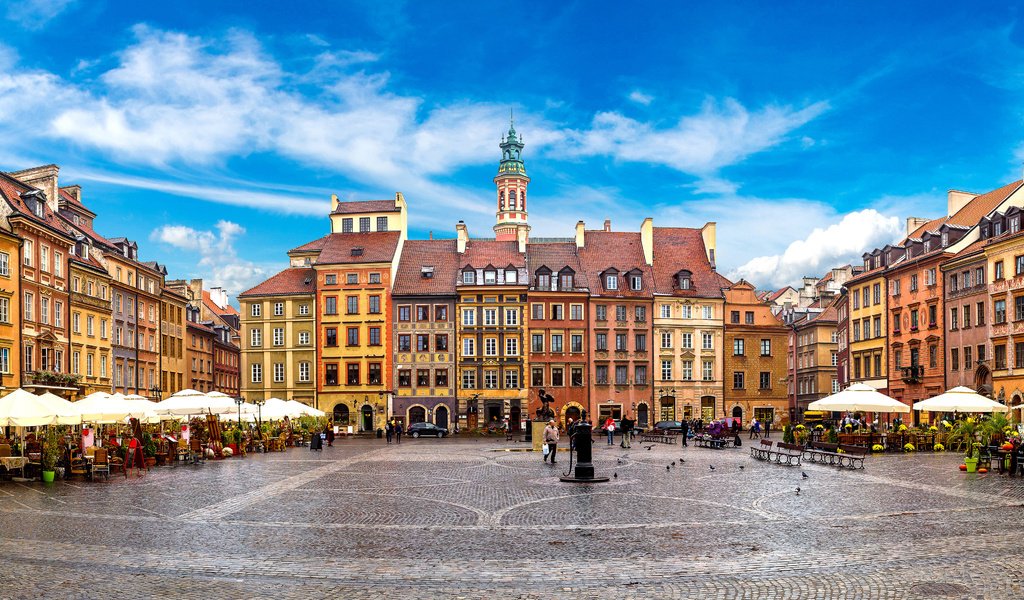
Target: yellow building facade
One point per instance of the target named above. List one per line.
(10, 311)
(279, 338)
(1004, 358)
(90, 313)
(868, 328)
(172, 343)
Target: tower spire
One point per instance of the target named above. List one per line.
(511, 182)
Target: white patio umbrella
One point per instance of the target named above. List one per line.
(275, 409)
(960, 399)
(859, 397)
(101, 407)
(24, 409)
(299, 409)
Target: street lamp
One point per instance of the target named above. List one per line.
(239, 401)
(259, 412)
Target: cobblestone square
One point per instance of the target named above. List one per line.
(482, 518)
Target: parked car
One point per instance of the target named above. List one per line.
(423, 429)
(668, 426)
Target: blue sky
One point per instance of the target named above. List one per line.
(215, 133)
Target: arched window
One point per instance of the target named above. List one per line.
(512, 199)
(501, 200)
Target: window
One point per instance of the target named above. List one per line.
(490, 347)
(666, 339)
(635, 283)
(737, 380)
(511, 316)
(374, 335)
(256, 371)
(981, 315)
(913, 283)
(331, 336)
(933, 356)
(382, 223)
(511, 379)
(999, 309)
(346, 225)
(469, 277)
(44, 258)
(707, 341)
(707, 370)
(765, 380)
(351, 279)
(687, 371)
(352, 305)
(256, 309)
(557, 312)
(468, 379)
(967, 357)
(878, 326)
(611, 282)
(967, 315)
(537, 311)
(687, 339)
(304, 309)
(468, 347)
(979, 276)
(954, 358)
(666, 311)
(953, 282)
(422, 312)
(835, 359)
(620, 342)
(566, 281)
(331, 305)
(364, 224)
(404, 312)
(998, 270)
(601, 312)
(304, 372)
(255, 337)
(894, 288)
(278, 372)
(330, 279)
(876, 293)
(640, 375)
(954, 321)
(557, 376)
(856, 301)
(352, 374)
(913, 320)
(1018, 306)
(537, 342)
(749, 317)
(929, 276)
(575, 312)
(666, 370)
(620, 313)
(640, 313)
(352, 336)
(441, 377)
(641, 342)
(490, 277)
(621, 375)
(734, 316)
(708, 312)
(490, 316)
(601, 341)
(491, 379)
(27, 257)
(766, 347)
(737, 347)
(278, 309)
(423, 377)
(556, 342)
(5, 264)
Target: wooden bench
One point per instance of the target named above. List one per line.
(780, 453)
(664, 437)
(762, 451)
(822, 452)
(704, 440)
(853, 456)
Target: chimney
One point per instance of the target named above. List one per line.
(522, 236)
(44, 178)
(463, 236)
(707, 233)
(334, 202)
(580, 234)
(75, 191)
(913, 223)
(607, 224)
(647, 239)
(430, 236)
(955, 200)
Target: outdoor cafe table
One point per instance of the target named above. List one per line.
(14, 463)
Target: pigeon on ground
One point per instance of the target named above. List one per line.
(673, 463)
(803, 474)
(618, 461)
(742, 467)
(712, 467)
(682, 460)
(651, 446)
(668, 468)
(797, 490)
(615, 475)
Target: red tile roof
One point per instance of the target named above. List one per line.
(315, 245)
(480, 253)
(365, 206)
(773, 296)
(210, 304)
(200, 327)
(976, 209)
(617, 250)
(555, 256)
(293, 280)
(371, 247)
(440, 255)
(11, 189)
(681, 248)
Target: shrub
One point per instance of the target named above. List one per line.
(908, 447)
(878, 448)
(938, 447)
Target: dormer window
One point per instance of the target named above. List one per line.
(543, 281)
(683, 280)
(927, 245)
(565, 280)
(85, 251)
(490, 277)
(38, 208)
(997, 228)
(1015, 225)
(510, 276)
(357, 251)
(469, 277)
(635, 283)
(611, 282)
(427, 272)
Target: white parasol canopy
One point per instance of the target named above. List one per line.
(960, 399)
(24, 409)
(299, 409)
(859, 397)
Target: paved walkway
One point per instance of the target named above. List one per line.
(473, 518)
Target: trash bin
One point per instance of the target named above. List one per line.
(380, 433)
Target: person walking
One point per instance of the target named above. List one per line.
(330, 435)
(389, 430)
(551, 439)
(609, 428)
(767, 428)
(684, 430)
(398, 432)
(627, 431)
(755, 430)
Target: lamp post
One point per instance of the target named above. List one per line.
(239, 401)
(259, 412)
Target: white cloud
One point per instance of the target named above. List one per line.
(641, 98)
(218, 261)
(826, 247)
(721, 134)
(35, 14)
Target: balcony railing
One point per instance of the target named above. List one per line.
(912, 374)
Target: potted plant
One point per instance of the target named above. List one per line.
(971, 460)
(51, 453)
(149, 449)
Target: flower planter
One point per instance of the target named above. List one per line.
(48, 476)
(150, 462)
(234, 449)
(972, 465)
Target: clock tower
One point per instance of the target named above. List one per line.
(511, 182)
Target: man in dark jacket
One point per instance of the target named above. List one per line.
(627, 431)
(684, 429)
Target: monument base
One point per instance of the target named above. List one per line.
(583, 479)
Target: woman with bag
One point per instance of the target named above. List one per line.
(550, 441)
(609, 427)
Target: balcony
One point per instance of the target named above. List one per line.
(912, 374)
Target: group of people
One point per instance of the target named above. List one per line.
(394, 430)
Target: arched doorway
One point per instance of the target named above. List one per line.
(642, 416)
(737, 413)
(441, 416)
(668, 408)
(572, 412)
(367, 420)
(341, 414)
(707, 408)
(417, 414)
(515, 414)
